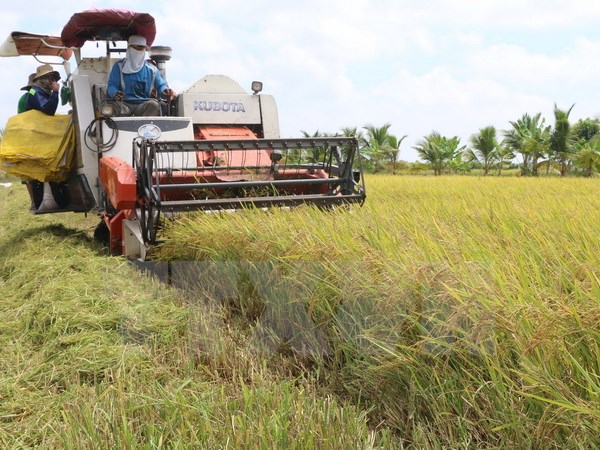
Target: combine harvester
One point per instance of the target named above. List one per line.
(214, 147)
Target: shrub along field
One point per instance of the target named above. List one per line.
(459, 312)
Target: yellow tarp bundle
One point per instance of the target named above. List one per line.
(38, 146)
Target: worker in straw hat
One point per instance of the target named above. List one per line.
(22, 106)
(43, 94)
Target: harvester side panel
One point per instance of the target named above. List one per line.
(83, 112)
(119, 181)
(269, 117)
(234, 109)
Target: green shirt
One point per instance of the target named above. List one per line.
(22, 103)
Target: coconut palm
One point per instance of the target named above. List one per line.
(351, 132)
(536, 146)
(378, 144)
(586, 129)
(515, 137)
(438, 150)
(587, 157)
(529, 136)
(394, 151)
(484, 148)
(317, 154)
(377, 136)
(504, 154)
(560, 147)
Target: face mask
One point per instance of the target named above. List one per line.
(134, 60)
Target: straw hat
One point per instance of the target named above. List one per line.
(45, 70)
(29, 82)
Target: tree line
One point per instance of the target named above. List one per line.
(529, 145)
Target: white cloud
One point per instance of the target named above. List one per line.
(513, 63)
(451, 66)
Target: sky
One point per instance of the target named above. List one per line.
(451, 66)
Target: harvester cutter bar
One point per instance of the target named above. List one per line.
(245, 184)
(246, 168)
(258, 202)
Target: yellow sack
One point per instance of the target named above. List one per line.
(38, 146)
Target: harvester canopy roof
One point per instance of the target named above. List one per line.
(107, 25)
(19, 43)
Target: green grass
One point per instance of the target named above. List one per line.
(448, 312)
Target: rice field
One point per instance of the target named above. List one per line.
(465, 311)
(447, 312)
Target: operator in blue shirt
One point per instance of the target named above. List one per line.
(132, 81)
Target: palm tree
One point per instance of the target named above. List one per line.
(485, 148)
(316, 154)
(394, 151)
(587, 157)
(438, 150)
(351, 132)
(504, 154)
(529, 137)
(560, 147)
(585, 129)
(515, 137)
(378, 144)
(377, 136)
(536, 146)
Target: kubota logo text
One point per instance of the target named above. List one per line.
(218, 106)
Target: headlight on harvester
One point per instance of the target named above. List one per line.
(276, 156)
(107, 110)
(256, 87)
(149, 131)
